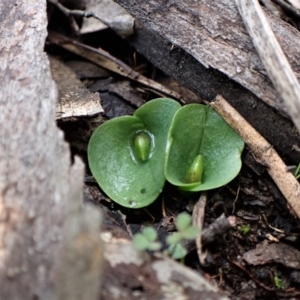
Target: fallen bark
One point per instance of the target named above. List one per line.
(160, 26)
(74, 99)
(130, 274)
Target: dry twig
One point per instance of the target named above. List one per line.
(285, 180)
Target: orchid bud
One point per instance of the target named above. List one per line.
(142, 145)
(195, 171)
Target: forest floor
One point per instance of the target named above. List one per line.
(258, 257)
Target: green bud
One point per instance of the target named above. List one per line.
(195, 171)
(142, 145)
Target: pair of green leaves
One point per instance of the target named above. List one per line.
(191, 146)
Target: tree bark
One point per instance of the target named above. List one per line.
(39, 187)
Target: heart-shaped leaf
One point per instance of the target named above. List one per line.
(203, 150)
(127, 154)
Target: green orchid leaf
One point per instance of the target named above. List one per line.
(127, 154)
(201, 142)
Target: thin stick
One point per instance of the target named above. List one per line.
(272, 56)
(285, 180)
(76, 12)
(107, 61)
(252, 276)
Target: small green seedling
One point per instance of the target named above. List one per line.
(297, 172)
(146, 240)
(278, 282)
(245, 229)
(186, 231)
(192, 147)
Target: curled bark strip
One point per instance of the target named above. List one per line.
(272, 56)
(198, 219)
(285, 180)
